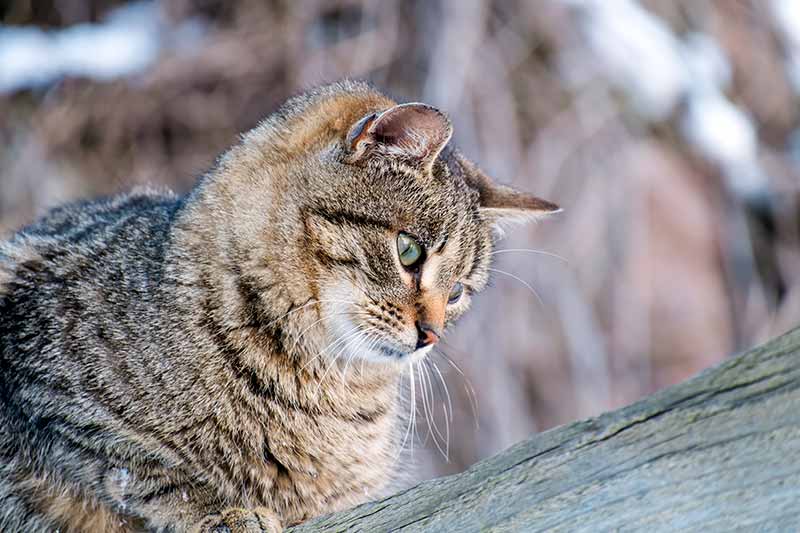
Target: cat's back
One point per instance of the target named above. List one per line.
(125, 228)
(86, 223)
(76, 260)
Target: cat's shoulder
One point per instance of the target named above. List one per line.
(71, 220)
(77, 227)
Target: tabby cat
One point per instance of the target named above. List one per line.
(175, 363)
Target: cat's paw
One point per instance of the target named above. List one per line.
(236, 520)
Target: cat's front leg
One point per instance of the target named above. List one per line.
(236, 520)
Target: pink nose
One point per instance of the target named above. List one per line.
(426, 335)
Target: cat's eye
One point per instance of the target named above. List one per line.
(455, 293)
(409, 250)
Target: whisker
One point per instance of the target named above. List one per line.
(365, 338)
(345, 340)
(448, 420)
(424, 396)
(447, 417)
(373, 340)
(298, 337)
(312, 302)
(468, 388)
(350, 346)
(330, 345)
(530, 251)
(429, 412)
(409, 434)
(413, 409)
(525, 283)
(410, 418)
(446, 391)
(361, 339)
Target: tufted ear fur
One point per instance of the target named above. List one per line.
(501, 205)
(412, 132)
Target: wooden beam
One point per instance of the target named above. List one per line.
(720, 452)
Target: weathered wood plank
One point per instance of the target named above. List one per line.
(720, 452)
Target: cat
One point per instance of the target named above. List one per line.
(177, 363)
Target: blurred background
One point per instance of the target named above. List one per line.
(668, 130)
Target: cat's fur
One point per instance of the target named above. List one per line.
(166, 362)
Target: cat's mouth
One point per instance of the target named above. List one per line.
(353, 337)
(392, 352)
(402, 355)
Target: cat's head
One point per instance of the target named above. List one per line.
(394, 227)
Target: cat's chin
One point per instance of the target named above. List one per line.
(381, 352)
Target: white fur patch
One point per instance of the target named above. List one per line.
(420, 354)
(430, 271)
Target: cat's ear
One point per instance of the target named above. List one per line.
(411, 132)
(503, 206)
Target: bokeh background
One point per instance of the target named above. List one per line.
(668, 130)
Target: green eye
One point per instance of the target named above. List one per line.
(408, 249)
(455, 293)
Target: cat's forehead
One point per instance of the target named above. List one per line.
(432, 205)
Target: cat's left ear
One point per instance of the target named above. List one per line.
(412, 132)
(503, 206)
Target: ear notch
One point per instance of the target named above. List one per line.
(414, 132)
(503, 206)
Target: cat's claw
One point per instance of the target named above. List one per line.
(236, 520)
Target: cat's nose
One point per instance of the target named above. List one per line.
(426, 335)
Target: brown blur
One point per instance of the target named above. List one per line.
(656, 269)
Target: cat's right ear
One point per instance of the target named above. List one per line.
(415, 133)
(503, 206)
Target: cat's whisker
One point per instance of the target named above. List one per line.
(344, 372)
(353, 355)
(446, 436)
(371, 341)
(468, 388)
(525, 283)
(449, 410)
(407, 432)
(530, 251)
(330, 345)
(322, 352)
(426, 410)
(345, 340)
(445, 407)
(300, 336)
(313, 301)
(375, 340)
(295, 310)
(424, 441)
(364, 339)
(347, 345)
(413, 408)
(430, 416)
(352, 313)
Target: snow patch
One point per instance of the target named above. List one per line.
(657, 70)
(128, 41)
